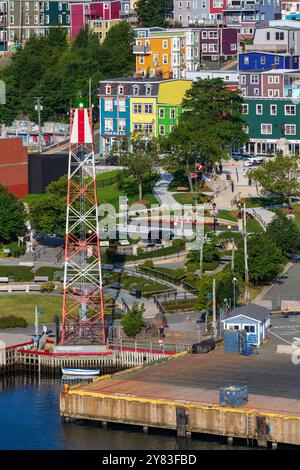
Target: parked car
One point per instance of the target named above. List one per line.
(241, 157)
(248, 163)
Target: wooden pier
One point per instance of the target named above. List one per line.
(167, 396)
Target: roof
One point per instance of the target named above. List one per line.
(254, 311)
(129, 83)
(173, 93)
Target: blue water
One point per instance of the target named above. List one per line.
(29, 420)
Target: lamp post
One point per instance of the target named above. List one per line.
(234, 281)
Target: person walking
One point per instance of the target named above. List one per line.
(232, 186)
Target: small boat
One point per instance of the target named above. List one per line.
(80, 372)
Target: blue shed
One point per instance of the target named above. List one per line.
(253, 319)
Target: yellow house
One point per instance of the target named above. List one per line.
(101, 27)
(143, 115)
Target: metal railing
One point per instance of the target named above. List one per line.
(147, 346)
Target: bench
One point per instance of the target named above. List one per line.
(107, 267)
(4, 279)
(3, 288)
(19, 288)
(41, 279)
(34, 288)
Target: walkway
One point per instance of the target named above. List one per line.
(161, 192)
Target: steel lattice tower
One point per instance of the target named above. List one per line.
(83, 303)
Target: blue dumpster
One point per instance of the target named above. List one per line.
(233, 395)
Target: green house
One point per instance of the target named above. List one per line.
(272, 124)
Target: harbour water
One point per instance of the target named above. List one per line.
(29, 411)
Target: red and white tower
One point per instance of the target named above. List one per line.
(83, 304)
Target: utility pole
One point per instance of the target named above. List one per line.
(246, 256)
(201, 260)
(90, 92)
(39, 108)
(214, 325)
(232, 255)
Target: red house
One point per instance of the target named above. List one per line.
(81, 12)
(14, 166)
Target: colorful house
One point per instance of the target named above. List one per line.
(267, 61)
(169, 109)
(98, 14)
(128, 105)
(167, 53)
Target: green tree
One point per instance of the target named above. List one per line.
(278, 176)
(12, 216)
(224, 290)
(118, 58)
(285, 233)
(49, 214)
(152, 13)
(265, 259)
(209, 127)
(139, 155)
(133, 322)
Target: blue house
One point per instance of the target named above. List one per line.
(114, 110)
(267, 61)
(253, 319)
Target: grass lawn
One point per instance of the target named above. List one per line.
(18, 273)
(189, 198)
(264, 201)
(253, 226)
(49, 271)
(139, 283)
(193, 266)
(228, 215)
(171, 272)
(24, 306)
(34, 197)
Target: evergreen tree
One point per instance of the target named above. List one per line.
(152, 13)
(12, 216)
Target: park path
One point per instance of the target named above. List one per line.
(161, 192)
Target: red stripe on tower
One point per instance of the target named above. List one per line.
(81, 123)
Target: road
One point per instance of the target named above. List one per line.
(287, 287)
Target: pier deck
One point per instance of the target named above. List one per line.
(155, 396)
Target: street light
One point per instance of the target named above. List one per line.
(234, 281)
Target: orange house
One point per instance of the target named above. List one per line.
(165, 53)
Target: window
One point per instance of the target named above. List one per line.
(245, 108)
(161, 113)
(290, 129)
(246, 60)
(270, 79)
(259, 109)
(135, 90)
(107, 89)
(213, 35)
(26, 19)
(276, 60)
(276, 79)
(122, 106)
(246, 129)
(26, 6)
(165, 58)
(148, 90)
(148, 128)
(122, 125)
(243, 79)
(137, 127)
(121, 90)
(12, 19)
(108, 125)
(263, 60)
(204, 47)
(108, 105)
(172, 113)
(273, 109)
(256, 91)
(148, 108)
(268, 36)
(141, 59)
(290, 110)
(47, 19)
(36, 6)
(279, 36)
(11, 6)
(266, 128)
(165, 44)
(254, 79)
(161, 130)
(250, 328)
(204, 34)
(137, 108)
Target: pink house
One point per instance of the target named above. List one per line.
(102, 10)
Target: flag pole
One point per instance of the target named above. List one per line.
(36, 321)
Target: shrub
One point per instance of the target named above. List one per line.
(13, 322)
(139, 251)
(47, 286)
(148, 264)
(132, 322)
